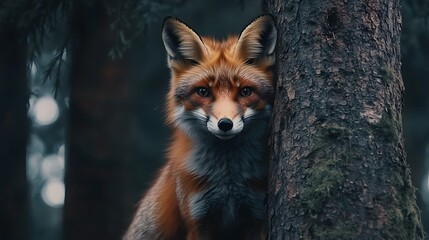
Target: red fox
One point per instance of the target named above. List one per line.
(219, 106)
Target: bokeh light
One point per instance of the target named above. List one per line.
(52, 166)
(33, 165)
(61, 155)
(33, 69)
(53, 192)
(45, 110)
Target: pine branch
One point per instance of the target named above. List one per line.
(54, 69)
(132, 19)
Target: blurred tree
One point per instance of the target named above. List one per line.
(101, 114)
(13, 130)
(101, 135)
(338, 168)
(23, 26)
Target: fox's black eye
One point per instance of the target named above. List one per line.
(203, 92)
(245, 92)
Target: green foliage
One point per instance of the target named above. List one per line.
(387, 73)
(55, 66)
(38, 19)
(323, 180)
(325, 177)
(386, 127)
(131, 20)
(343, 231)
(402, 209)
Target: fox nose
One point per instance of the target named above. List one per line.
(225, 124)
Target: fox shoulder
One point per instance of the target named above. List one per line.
(157, 216)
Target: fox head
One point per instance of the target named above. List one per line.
(220, 88)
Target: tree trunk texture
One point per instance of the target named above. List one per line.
(101, 135)
(338, 167)
(13, 133)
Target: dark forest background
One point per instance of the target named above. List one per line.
(91, 76)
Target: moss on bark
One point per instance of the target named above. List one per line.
(338, 167)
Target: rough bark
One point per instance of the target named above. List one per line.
(338, 167)
(101, 135)
(13, 133)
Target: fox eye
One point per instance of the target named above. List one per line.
(203, 92)
(245, 92)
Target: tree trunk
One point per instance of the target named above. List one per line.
(101, 135)
(13, 133)
(337, 167)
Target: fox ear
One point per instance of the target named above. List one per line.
(258, 39)
(181, 42)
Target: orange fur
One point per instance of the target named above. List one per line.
(224, 68)
(221, 59)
